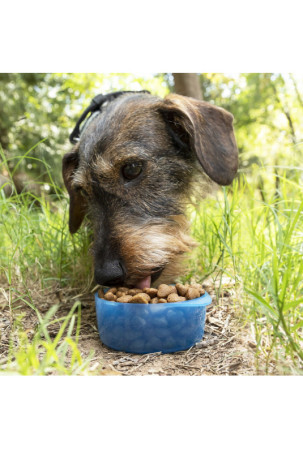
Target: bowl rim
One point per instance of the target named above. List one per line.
(204, 300)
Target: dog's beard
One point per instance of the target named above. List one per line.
(154, 246)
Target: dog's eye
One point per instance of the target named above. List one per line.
(131, 170)
(82, 191)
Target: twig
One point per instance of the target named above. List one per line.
(226, 323)
(134, 368)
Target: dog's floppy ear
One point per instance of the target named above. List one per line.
(77, 205)
(209, 131)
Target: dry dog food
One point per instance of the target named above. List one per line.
(164, 294)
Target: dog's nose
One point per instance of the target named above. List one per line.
(110, 273)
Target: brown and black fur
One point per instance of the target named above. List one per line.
(139, 225)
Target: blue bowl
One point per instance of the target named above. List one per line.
(161, 327)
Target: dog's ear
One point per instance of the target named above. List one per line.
(77, 207)
(208, 130)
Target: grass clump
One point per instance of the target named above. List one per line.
(38, 254)
(256, 238)
(251, 231)
(43, 355)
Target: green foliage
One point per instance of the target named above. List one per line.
(37, 251)
(259, 244)
(45, 107)
(35, 242)
(251, 231)
(43, 355)
(268, 113)
(252, 236)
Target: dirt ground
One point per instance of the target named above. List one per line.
(226, 349)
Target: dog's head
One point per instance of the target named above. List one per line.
(132, 172)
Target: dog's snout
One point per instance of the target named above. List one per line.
(110, 273)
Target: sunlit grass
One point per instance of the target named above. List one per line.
(35, 241)
(252, 236)
(43, 355)
(38, 252)
(260, 245)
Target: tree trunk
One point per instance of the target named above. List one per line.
(285, 109)
(188, 84)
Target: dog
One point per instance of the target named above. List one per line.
(135, 165)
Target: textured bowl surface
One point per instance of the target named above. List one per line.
(164, 327)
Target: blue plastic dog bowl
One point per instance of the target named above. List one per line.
(141, 328)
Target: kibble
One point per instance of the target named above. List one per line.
(163, 294)
(100, 293)
(123, 289)
(113, 290)
(120, 294)
(164, 290)
(110, 296)
(192, 293)
(152, 292)
(140, 298)
(199, 288)
(173, 298)
(124, 299)
(181, 289)
(134, 291)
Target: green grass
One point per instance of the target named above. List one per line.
(42, 355)
(38, 252)
(252, 236)
(260, 244)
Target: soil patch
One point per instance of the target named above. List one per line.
(226, 349)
